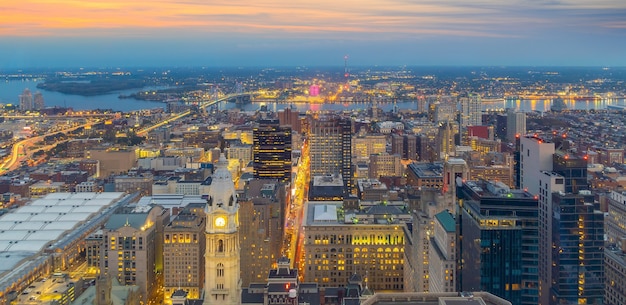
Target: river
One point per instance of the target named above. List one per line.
(10, 91)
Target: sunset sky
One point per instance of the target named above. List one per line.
(123, 33)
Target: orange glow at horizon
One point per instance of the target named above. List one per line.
(24, 18)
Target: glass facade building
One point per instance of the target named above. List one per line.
(499, 241)
(272, 151)
(577, 250)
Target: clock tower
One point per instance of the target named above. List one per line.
(222, 279)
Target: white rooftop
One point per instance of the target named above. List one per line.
(325, 213)
(29, 229)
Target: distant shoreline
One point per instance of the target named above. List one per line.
(91, 88)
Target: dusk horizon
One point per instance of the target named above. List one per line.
(71, 34)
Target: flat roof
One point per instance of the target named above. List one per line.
(447, 221)
(325, 213)
(28, 229)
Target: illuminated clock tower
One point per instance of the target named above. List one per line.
(222, 279)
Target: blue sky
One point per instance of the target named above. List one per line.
(122, 33)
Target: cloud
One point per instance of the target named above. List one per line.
(455, 29)
(323, 18)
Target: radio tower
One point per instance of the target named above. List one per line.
(346, 73)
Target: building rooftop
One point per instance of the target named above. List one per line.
(427, 170)
(484, 189)
(49, 222)
(325, 213)
(447, 221)
(328, 180)
(434, 298)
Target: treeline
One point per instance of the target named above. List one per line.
(91, 88)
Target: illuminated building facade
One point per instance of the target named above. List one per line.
(615, 272)
(442, 258)
(365, 145)
(222, 254)
(205, 139)
(262, 223)
(484, 145)
(132, 247)
(272, 151)
(445, 140)
(288, 117)
(498, 239)
(577, 250)
(425, 175)
(471, 110)
(499, 173)
(113, 160)
(405, 146)
(367, 241)
(386, 165)
(330, 145)
(183, 252)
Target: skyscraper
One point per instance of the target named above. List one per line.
(272, 151)
(183, 252)
(571, 230)
(132, 247)
(26, 100)
(445, 140)
(471, 110)
(577, 251)
(38, 101)
(498, 230)
(330, 145)
(535, 155)
(515, 124)
(442, 260)
(405, 146)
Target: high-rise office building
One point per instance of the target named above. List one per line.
(26, 100)
(288, 117)
(573, 169)
(364, 145)
(577, 250)
(38, 102)
(615, 252)
(549, 182)
(132, 247)
(368, 240)
(330, 143)
(571, 233)
(471, 110)
(262, 223)
(445, 140)
(535, 155)
(498, 241)
(405, 146)
(444, 111)
(272, 151)
(183, 252)
(515, 124)
(442, 259)
(384, 164)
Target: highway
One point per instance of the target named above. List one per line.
(22, 150)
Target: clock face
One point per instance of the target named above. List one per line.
(220, 221)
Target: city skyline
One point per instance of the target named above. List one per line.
(68, 33)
